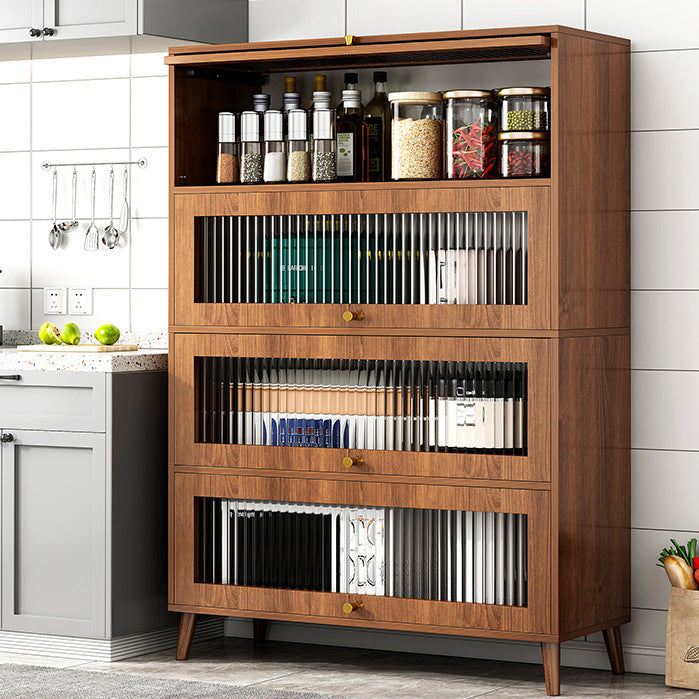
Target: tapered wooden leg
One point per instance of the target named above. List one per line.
(612, 639)
(259, 630)
(551, 653)
(188, 622)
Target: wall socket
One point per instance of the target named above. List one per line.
(55, 300)
(80, 301)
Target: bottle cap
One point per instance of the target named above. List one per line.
(352, 78)
(274, 125)
(250, 127)
(260, 102)
(320, 83)
(292, 100)
(321, 99)
(323, 123)
(289, 84)
(352, 98)
(297, 125)
(226, 127)
(380, 76)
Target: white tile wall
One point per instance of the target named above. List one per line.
(515, 13)
(83, 108)
(398, 16)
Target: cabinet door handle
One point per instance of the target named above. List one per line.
(350, 461)
(6, 438)
(49, 31)
(349, 607)
(10, 377)
(34, 32)
(349, 316)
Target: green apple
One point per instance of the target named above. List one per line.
(107, 334)
(70, 334)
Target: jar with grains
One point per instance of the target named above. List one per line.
(298, 158)
(251, 158)
(524, 108)
(470, 134)
(324, 163)
(416, 135)
(524, 154)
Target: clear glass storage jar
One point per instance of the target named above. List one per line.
(524, 108)
(524, 154)
(470, 134)
(416, 135)
(251, 157)
(298, 156)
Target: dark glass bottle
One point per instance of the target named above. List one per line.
(377, 115)
(352, 139)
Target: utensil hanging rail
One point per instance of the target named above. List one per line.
(142, 163)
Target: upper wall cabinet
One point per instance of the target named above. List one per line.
(216, 21)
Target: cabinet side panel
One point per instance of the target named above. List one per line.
(139, 503)
(594, 481)
(590, 182)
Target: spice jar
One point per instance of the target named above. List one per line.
(227, 169)
(324, 167)
(416, 135)
(298, 168)
(524, 154)
(275, 153)
(524, 108)
(470, 134)
(250, 148)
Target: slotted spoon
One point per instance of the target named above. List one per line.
(92, 237)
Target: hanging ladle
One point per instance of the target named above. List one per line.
(72, 224)
(56, 234)
(111, 234)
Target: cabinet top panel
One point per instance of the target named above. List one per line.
(386, 50)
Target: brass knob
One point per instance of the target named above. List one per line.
(349, 316)
(350, 461)
(349, 607)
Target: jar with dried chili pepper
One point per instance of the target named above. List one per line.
(524, 154)
(470, 134)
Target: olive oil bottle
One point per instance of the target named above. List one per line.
(377, 115)
(352, 139)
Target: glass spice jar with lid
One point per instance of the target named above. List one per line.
(251, 158)
(470, 134)
(524, 108)
(298, 158)
(416, 135)
(524, 154)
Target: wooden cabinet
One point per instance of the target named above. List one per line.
(427, 288)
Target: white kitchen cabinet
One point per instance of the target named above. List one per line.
(216, 21)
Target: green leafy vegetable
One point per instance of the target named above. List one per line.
(685, 553)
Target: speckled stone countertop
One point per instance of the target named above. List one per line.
(141, 360)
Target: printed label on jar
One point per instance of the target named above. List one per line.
(345, 154)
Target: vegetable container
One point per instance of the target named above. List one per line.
(416, 135)
(524, 108)
(470, 134)
(524, 154)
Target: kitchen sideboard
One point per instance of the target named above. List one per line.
(292, 303)
(83, 527)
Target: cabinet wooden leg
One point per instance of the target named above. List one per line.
(259, 630)
(551, 654)
(612, 639)
(188, 622)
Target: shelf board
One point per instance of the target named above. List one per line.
(362, 186)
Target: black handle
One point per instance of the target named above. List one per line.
(10, 377)
(49, 31)
(35, 32)
(7, 437)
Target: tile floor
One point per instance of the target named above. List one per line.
(362, 674)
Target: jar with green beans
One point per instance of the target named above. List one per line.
(524, 108)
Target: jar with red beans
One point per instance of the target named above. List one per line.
(524, 154)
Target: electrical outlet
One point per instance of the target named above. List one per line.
(55, 300)
(80, 301)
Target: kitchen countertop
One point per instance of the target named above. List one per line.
(111, 362)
